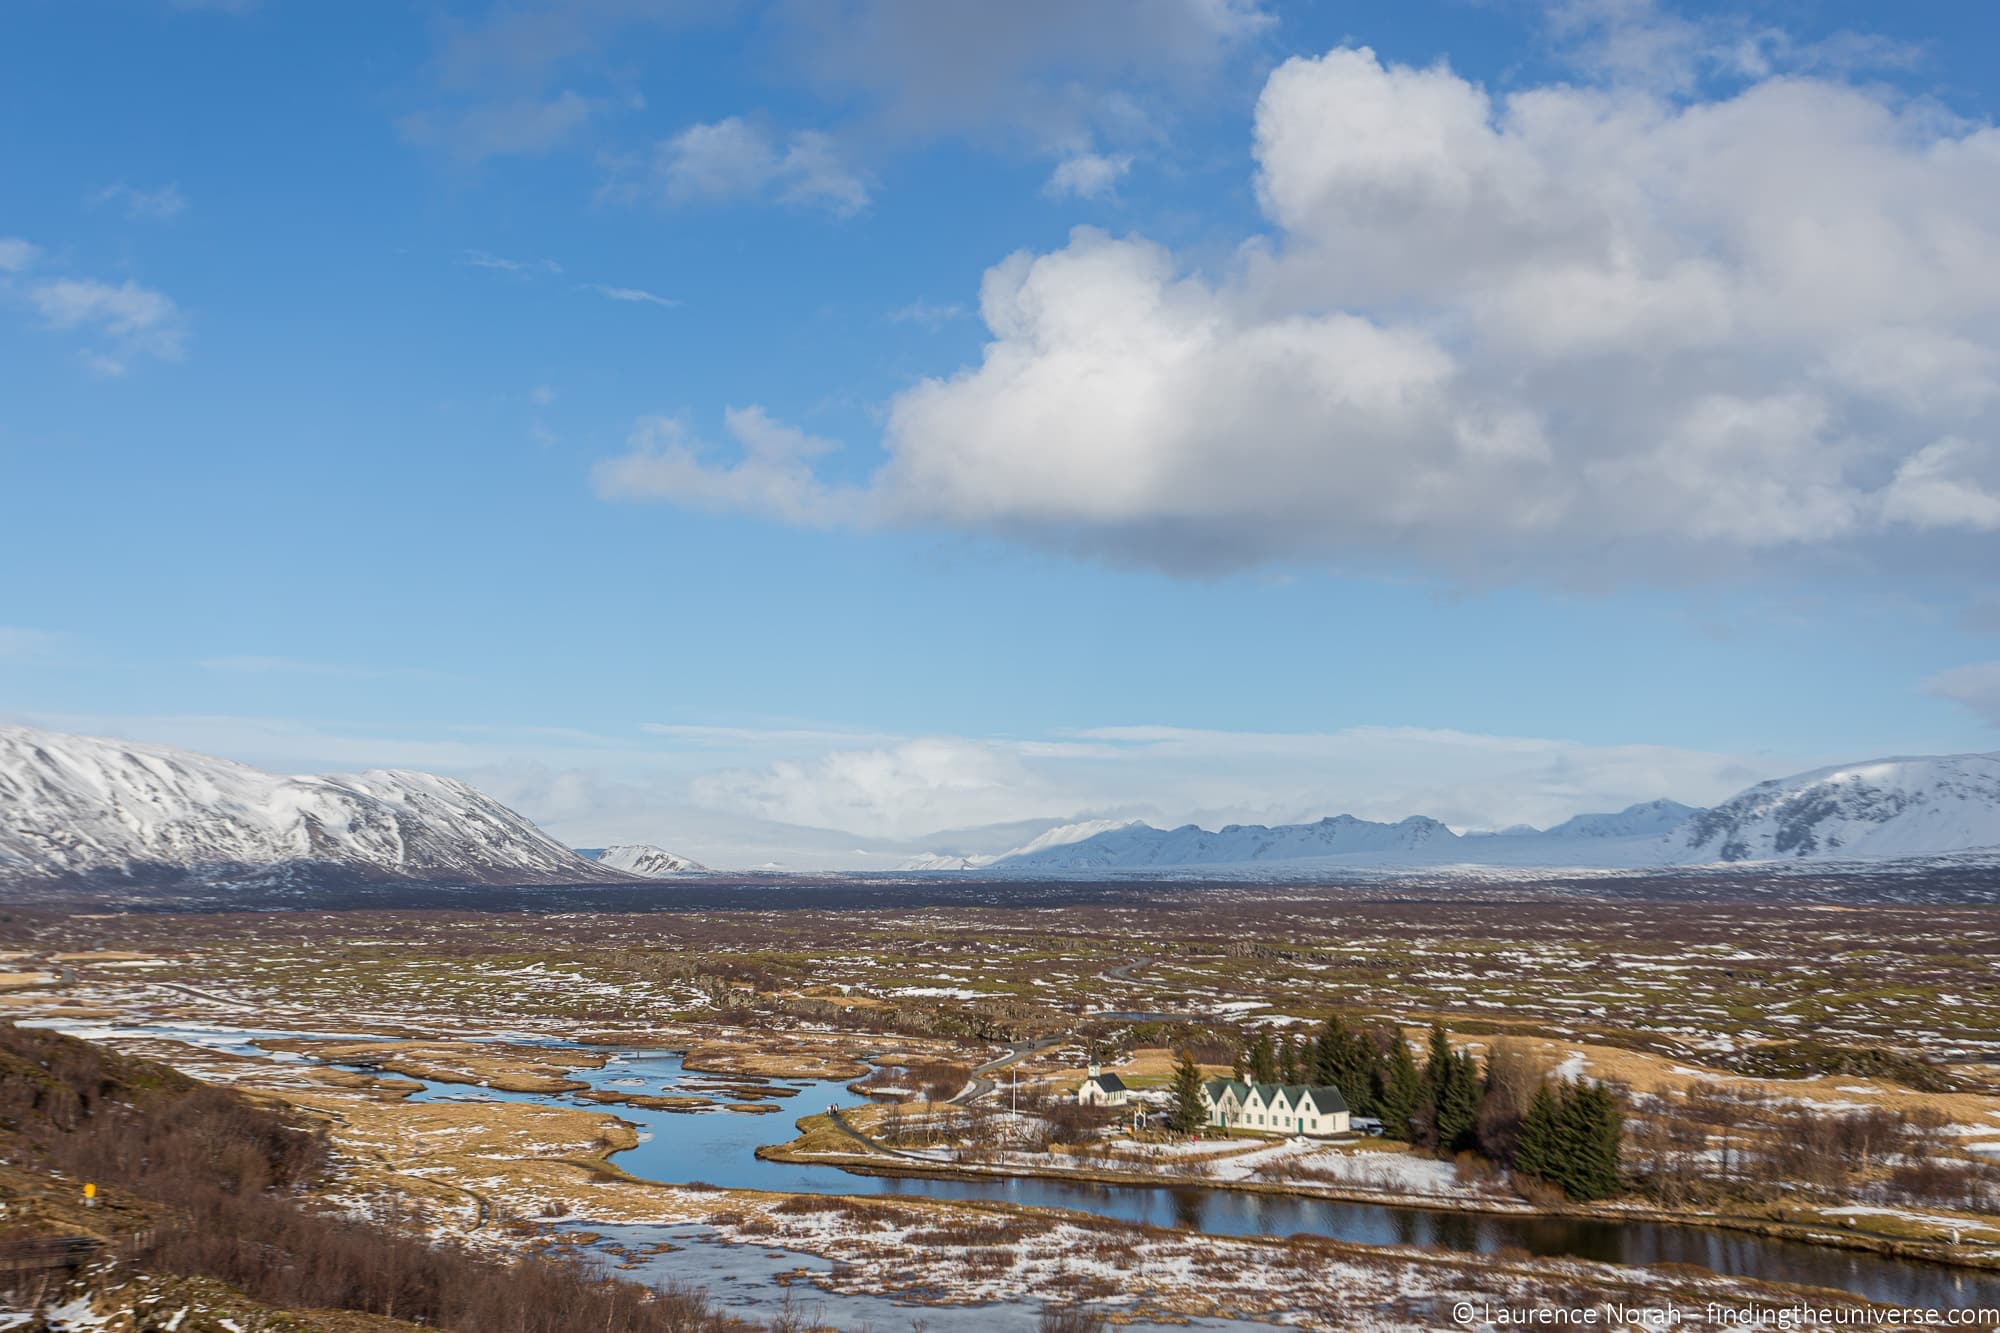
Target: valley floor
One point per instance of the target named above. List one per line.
(370, 1020)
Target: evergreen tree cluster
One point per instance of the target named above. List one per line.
(1569, 1134)
(1570, 1138)
(1451, 1093)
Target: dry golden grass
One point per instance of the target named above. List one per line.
(1151, 1063)
(508, 1068)
(1645, 1072)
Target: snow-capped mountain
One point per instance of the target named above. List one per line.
(642, 858)
(1649, 819)
(1882, 808)
(78, 807)
(1137, 845)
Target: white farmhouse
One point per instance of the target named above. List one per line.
(1274, 1108)
(1102, 1089)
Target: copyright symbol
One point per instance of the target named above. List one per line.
(1462, 1312)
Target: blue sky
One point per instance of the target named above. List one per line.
(1492, 410)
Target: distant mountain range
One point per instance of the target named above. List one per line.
(77, 809)
(84, 811)
(1883, 808)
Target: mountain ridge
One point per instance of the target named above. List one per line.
(647, 860)
(92, 809)
(1882, 808)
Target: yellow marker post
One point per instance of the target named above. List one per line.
(90, 1196)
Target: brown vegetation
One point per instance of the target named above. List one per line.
(215, 1185)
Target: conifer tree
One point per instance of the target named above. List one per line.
(1591, 1132)
(1451, 1086)
(1402, 1089)
(1571, 1137)
(1327, 1052)
(1188, 1114)
(1263, 1060)
(1288, 1062)
(1535, 1150)
(1359, 1074)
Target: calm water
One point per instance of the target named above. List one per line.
(719, 1147)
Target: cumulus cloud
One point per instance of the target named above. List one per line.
(128, 319)
(1953, 483)
(1087, 175)
(731, 159)
(1170, 775)
(1571, 329)
(772, 474)
(1975, 687)
(16, 254)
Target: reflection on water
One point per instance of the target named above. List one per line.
(719, 1147)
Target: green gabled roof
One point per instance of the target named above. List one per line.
(1324, 1096)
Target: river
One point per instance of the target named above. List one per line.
(719, 1147)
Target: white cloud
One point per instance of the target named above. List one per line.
(1637, 43)
(772, 476)
(811, 795)
(16, 254)
(1172, 775)
(732, 159)
(1087, 175)
(1043, 71)
(1573, 332)
(524, 126)
(930, 315)
(161, 204)
(630, 295)
(1954, 483)
(481, 259)
(1975, 687)
(131, 318)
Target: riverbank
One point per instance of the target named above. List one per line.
(822, 1143)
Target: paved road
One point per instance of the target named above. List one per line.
(209, 996)
(1124, 971)
(979, 1085)
(873, 1145)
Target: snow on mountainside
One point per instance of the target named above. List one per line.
(1060, 836)
(1648, 819)
(81, 807)
(641, 858)
(1882, 808)
(1137, 845)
